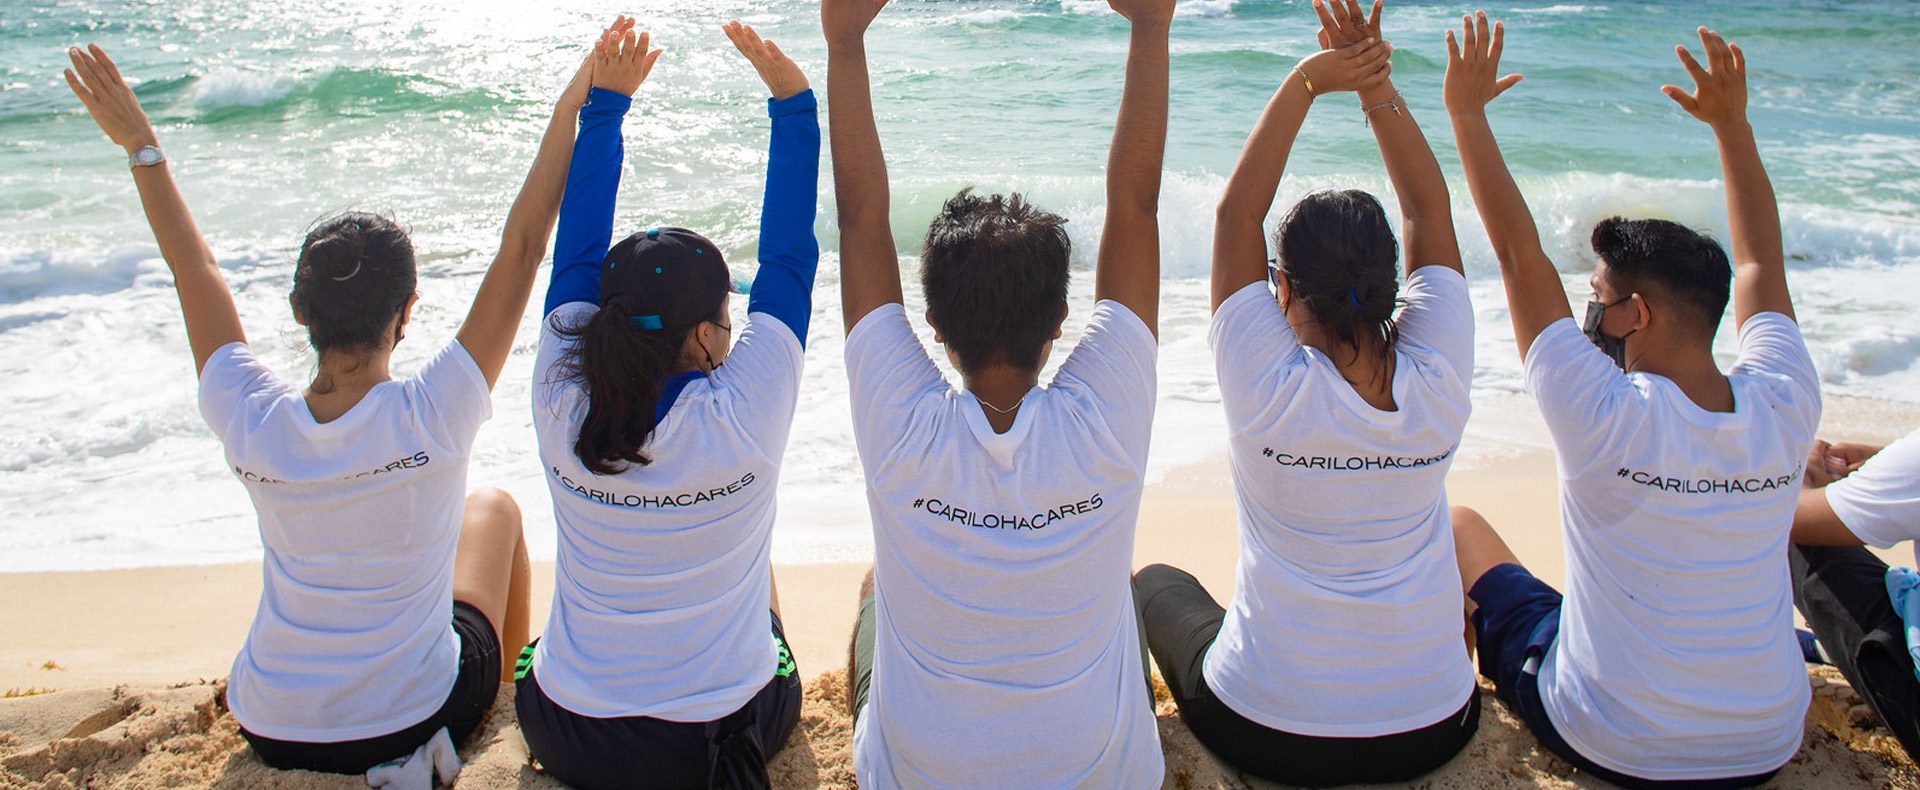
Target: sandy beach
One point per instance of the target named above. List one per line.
(114, 678)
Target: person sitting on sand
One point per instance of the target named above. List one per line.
(1671, 660)
(1864, 613)
(661, 439)
(1340, 660)
(997, 643)
(372, 543)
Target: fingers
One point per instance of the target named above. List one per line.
(108, 69)
(73, 81)
(1501, 85)
(1498, 43)
(773, 51)
(1467, 40)
(1325, 42)
(1480, 29)
(1326, 19)
(1373, 21)
(1693, 66)
(646, 65)
(1686, 101)
(1453, 52)
(1739, 60)
(1355, 16)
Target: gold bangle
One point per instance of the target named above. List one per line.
(1304, 80)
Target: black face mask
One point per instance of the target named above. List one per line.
(1614, 347)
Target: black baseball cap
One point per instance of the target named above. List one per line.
(667, 276)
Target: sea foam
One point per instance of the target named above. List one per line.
(227, 87)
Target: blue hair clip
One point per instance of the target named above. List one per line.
(645, 322)
(1356, 302)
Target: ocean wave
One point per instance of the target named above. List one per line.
(988, 17)
(234, 88)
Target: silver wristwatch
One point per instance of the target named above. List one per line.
(146, 156)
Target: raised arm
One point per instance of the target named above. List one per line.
(622, 62)
(869, 263)
(205, 302)
(1239, 237)
(789, 253)
(1128, 270)
(493, 320)
(1426, 211)
(1535, 297)
(1720, 100)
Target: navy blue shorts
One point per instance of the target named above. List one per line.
(1518, 619)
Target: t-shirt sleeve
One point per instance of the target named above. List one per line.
(1252, 343)
(231, 379)
(762, 372)
(1114, 367)
(1880, 501)
(1589, 404)
(888, 372)
(454, 396)
(1439, 315)
(1772, 349)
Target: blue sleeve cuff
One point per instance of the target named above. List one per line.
(601, 101)
(792, 105)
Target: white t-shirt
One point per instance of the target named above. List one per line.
(359, 518)
(664, 582)
(1007, 653)
(1676, 657)
(1345, 619)
(1880, 501)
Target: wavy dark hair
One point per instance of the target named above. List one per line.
(995, 273)
(1340, 259)
(624, 371)
(356, 271)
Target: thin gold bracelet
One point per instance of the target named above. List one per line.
(1304, 80)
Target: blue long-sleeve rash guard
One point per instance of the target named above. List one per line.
(789, 252)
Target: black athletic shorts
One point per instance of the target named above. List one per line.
(1518, 620)
(640, 751)
(466, 707)
(1183, 619)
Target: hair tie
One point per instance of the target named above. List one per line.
(645, 322)
(1350, 298)
(348, 275)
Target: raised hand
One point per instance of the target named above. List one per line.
(845, 21)
(622, 59)
(1342, 24)
(96, 80)
(1473, 63)
(1720, 90)
(1356, 67)
(1144, 11)
(782, 76)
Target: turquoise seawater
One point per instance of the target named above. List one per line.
(279, 113)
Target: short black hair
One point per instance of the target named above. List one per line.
(1339, 257)
(1675, 260)
(355, 273)
(995, 273)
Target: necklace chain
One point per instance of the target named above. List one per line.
(1007, 410)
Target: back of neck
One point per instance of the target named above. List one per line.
(1695, 373)
(1004, 388)
(343, 381)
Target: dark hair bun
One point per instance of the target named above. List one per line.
(356, 272)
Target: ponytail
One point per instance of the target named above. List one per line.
(624, 371)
